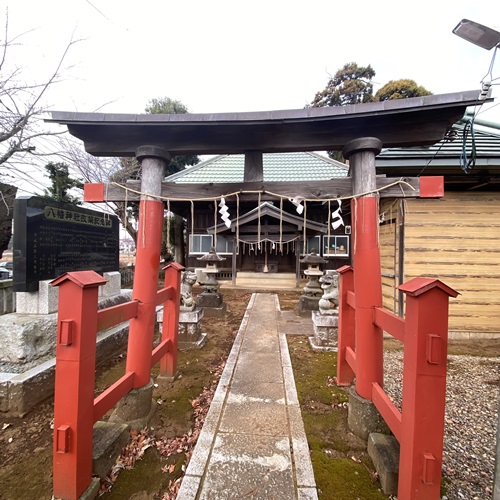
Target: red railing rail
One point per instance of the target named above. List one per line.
(75, 408)
(419, 427)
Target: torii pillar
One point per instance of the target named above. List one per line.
(367, 283)
(136, 408)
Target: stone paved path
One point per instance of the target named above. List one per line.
(253, 444)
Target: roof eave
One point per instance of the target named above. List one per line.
(405, 122)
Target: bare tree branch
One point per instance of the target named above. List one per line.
(21, 112)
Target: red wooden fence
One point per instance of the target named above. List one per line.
(75, 408)
(419, 427)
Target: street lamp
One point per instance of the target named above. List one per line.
(476, 33)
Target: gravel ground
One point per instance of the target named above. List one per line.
(470, 421)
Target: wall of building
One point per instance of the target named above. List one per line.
(454, 239)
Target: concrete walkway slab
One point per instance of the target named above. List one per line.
(253, 443)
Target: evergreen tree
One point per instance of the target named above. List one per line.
(400, 89)
(352, 84)
(61, 183)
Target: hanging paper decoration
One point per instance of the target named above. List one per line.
(298, 206)
(224, 213)
(337, 220)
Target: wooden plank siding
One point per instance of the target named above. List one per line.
(456, 239)
(387, 238)
(389, 234)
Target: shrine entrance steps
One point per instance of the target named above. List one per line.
(253, 443)
(266, 281)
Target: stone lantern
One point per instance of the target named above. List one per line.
(309, 300)
(210, 299)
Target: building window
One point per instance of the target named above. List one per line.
(336, 246)
(313, 243)
(199, 243)
(224, 245)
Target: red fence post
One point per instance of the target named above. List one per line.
(170, 328)
(424, 388)
(346, 328)
(74, 382)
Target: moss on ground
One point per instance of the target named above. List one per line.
(343, 479)
(342, 467)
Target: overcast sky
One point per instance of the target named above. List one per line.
(233, 55)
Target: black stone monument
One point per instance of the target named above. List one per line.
(52, 238)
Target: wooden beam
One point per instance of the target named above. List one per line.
(254, 167)
(405, 187)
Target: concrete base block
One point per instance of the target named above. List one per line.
(206, 299)
(363, 417)
(325, 328)
(215, 312)
(190, 334)
(136, 409)
(108, 440)
(320, 348)
(113, 286)
(307, 304)
(19, 392)
(195, 344)
(167, 378)
(45, 301)
(384, 452)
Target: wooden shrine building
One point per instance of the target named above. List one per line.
(270, 236)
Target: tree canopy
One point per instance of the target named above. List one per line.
(400, 89)
(61, 183)
(352, 84)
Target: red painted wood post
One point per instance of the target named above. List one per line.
(170, 327)
(346, 332)
(366, 262)
(424, 388)
(149, 233)
(74, 382)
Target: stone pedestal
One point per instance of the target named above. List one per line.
(136, 409)
(307, 304)
(384, 452)
(212, 303)
(325, 336)
(190, 335)
(363, 417)
(46, 300)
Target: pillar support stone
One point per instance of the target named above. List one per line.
(361, 153)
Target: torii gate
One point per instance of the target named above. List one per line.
(360, 131)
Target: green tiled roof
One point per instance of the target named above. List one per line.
(277, 167)
(443, 158)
